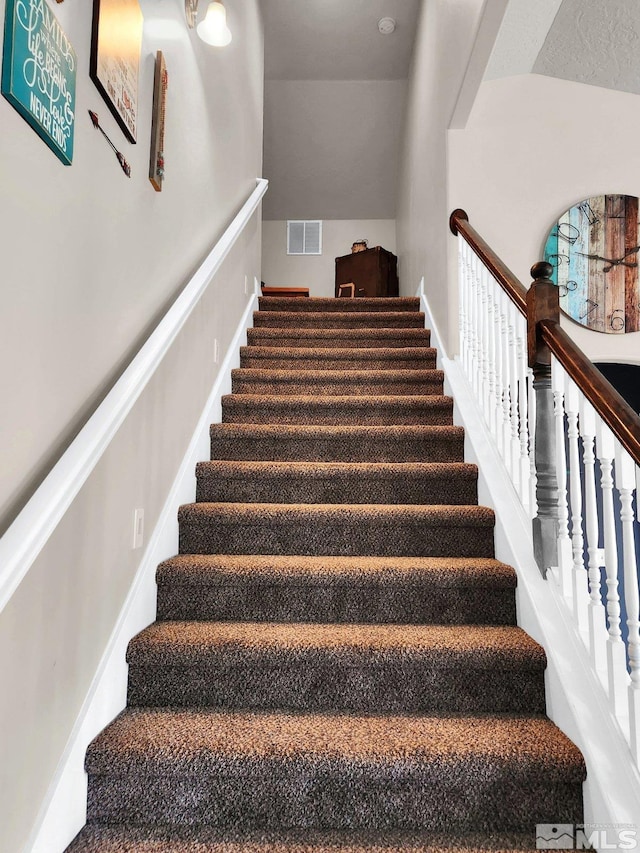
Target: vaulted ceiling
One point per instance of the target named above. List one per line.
(334, 106)
(335, 87)
(337, 39)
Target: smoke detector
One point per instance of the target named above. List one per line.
(386, 26)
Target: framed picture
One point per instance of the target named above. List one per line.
(115, 58)
(39, 68)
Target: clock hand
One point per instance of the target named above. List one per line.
(619, 263)
(630, 252)
(598, 257)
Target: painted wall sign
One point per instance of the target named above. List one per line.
(115, 58)
(39, 69)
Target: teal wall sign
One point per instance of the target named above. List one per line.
(39, 68)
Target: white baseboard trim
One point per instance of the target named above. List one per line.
(576, 701)
(64, 809)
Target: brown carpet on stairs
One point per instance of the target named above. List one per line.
(335, 665)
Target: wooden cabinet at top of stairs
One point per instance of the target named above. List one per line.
(374, 272)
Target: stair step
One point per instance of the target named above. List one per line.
(339, 319)
(283, 588)
(382, 669)
(116, 839)
(320, 304)
(339, 358)
(337, 443)
(333, 771)
(337, 383)
(337, 482)
(340, 338)
(336, 529)
(337, 410)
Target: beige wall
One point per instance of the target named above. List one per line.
(443, 44)
(317, 272)
(335, 142)
(532, 148)
(90, 262)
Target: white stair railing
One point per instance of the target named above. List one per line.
(493, 351)
(571, 447)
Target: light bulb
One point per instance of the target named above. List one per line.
(213, 29)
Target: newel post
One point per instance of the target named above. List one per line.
(543, 304)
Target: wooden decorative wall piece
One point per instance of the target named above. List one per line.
(156, 161)
(594, 249)
(126, 168)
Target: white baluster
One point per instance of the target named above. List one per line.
(506, 380)
(565, 556)
(477, 327)
(468, 308)
(484, 339)
(617, 675)
(580, 595)
(473, 334)
(523, 412)
(533, 480)
(489, 398)
(498, 388)
(625, 478)
(597, 624)
(462, 306)
(513, 393)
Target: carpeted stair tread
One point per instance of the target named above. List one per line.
(492, 772)
(338, 529)
(316, 443)
(337, 382)
(446, 572)
(189, 643)
(117, 839)
(404, 590)
(147, 740)
(339, 319)
(198, 740)
(336, 667)
(315, 303)
(343, 358)
(337, 482)
(340, 338)
(337, 410)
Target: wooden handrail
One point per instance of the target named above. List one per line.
(612, 408)
(513, 287)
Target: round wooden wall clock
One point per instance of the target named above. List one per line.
(594, 249)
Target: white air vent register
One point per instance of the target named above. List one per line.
(304, 237)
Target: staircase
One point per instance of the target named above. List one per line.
(335, 665)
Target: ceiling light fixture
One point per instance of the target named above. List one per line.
(213, 29)
(386, 26)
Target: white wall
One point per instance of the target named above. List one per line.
(444, 40)
(317, 272)
(331, 148)
(90, 261)
(532, 148)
